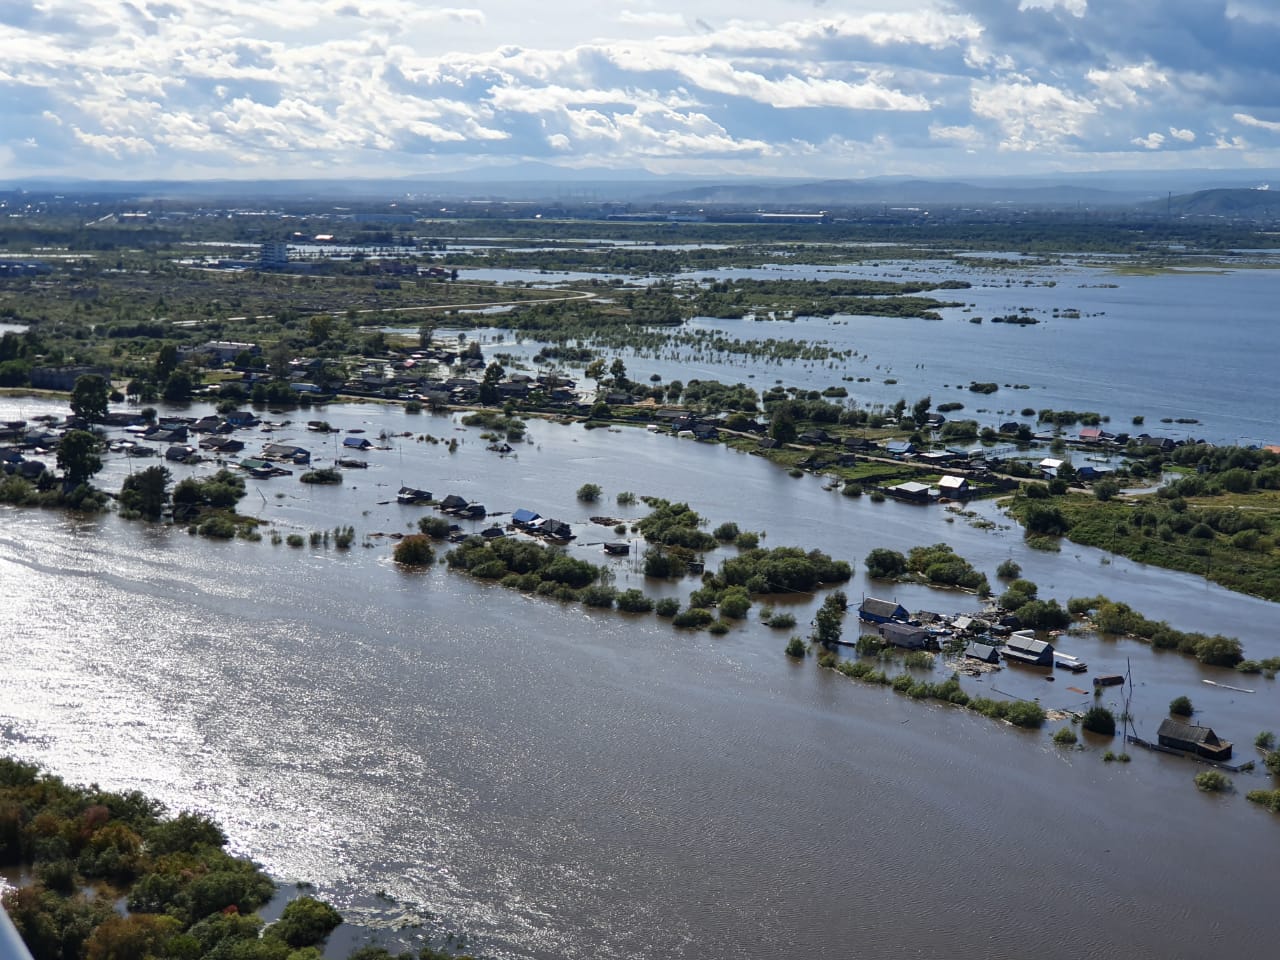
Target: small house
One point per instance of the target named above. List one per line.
(356, 443)
(453, 503)
(900, 448)
(982, 651)
(412, 495)
(1201, 741)
(904, 635)
(1049, 467)
(617, 548)
(472, 511)
(1023, 647)
(555, 530)
(955, 487)
(524, 519)
(881, 611)
(911, 491)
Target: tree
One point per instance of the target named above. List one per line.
(1099, 720)
(89, 397)
(589, 492)
(782, 424)
(826, 625)
(493, 375)
(1106, 489)
(177, 389)
(1181, 707)
(618, 372)
(414, 551)
(78, 456)
(884, 564)
(304, 923)
(166, 362)
(920, 412)
(146, 492)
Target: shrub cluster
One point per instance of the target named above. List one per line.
(1121, 619)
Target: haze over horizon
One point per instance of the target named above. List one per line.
(190, 89)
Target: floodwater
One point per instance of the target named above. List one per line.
(1190, 345)
(564, 783)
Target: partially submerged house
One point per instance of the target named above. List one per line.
(1023, 647)
(413, 495)
(911, 491)
(882, 611)
(982, 651)
(1201, 741)
(904, 635)
(524, 518)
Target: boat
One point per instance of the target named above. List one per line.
(1064, 661)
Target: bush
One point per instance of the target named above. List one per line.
(667, 607)
(634, 601)
(735, 603)
(883, 564)
(1266, 740)
(437, 528)
(726, 531)
(219, 528)
(1099, 720)
(781, 621)
(694, 618)
(626, 498)
(304, 923)
(1009, 570)
(589, 492)
(1065, 736)
(747, 540)
(1272, 762)
(597, 596)
(1212, 781)
(796, 648)
(414, 551)
(1025, 713)
(1268, 798)
(1181, 707)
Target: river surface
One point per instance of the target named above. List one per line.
(564, 783)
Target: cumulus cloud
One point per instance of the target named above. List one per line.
(148, 88)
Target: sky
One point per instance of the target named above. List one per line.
(196, 89)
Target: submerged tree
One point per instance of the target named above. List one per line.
(89, 397)
(78, 456)
(146, 492)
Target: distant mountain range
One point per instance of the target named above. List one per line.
(1227, 193)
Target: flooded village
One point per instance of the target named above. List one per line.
(714, 650)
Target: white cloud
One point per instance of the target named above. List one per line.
(1119, 87)
(1152, 141)
(652, 18)
(1186, 136)
(1031, 115)
(966, 136)
(1252, 121)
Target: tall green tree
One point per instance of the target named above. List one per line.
(147, 491)
(166, 362)
(78, 456)
(89, 397)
